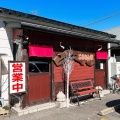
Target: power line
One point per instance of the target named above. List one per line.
(102, 19)
(34, 12)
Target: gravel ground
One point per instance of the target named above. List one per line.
(87, 111)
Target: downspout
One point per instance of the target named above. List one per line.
(109, 63)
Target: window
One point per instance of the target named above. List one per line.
(38, 65)
(99, 64)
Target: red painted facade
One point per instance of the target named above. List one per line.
(79, 72)
(44, 87)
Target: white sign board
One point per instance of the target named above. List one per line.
(17, 77)
(0, 77)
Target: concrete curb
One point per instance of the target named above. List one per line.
(109, 110)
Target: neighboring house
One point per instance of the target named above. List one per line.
(6, 36)
(115, 31)
(36, 40)
(114, 55)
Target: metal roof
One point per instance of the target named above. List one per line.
(95, 37)
(54, 26)
(115, 31)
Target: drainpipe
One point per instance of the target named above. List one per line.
(109, 63)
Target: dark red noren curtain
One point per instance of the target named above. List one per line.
(40, 51)
(101, 55)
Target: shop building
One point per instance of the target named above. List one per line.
(114, 56)
(38, 40)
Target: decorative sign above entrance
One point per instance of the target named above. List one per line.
(81, 57)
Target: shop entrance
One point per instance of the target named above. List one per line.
(100, 73)
(39, 80)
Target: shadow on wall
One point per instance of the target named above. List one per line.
(3, 67)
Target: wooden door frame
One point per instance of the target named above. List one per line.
(106, 73)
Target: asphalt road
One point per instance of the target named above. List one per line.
(86, 111)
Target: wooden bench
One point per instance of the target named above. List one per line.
(82, 87)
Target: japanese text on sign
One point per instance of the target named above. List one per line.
(17, 77)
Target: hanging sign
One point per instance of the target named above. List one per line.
(17, 77)
(81, 57)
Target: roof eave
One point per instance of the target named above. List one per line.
(57, 26)
(68, 32)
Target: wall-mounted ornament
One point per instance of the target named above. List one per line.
(80, 57)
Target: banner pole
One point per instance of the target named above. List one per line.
(9, 104)
(9, 88)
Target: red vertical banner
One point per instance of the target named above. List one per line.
(17, 77)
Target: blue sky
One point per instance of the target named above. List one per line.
(77, 12)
